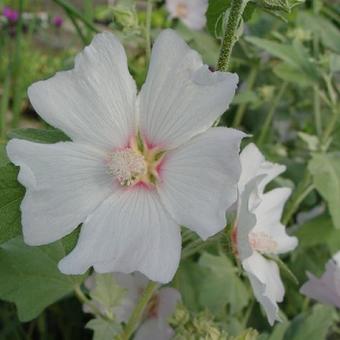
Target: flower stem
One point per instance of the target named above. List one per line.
(230, 34)
(137, 313)
(242, 107)
(68, 7)
(147, 30)
(301, 192)
(271, 112)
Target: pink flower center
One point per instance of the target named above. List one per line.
(262, 242)
(138, 163)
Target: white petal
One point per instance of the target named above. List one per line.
(94, 102)
(168, 300)
(154, 329)
(65, 182)
(129, 232)
(268, 215)
(181, 97)
(246, 219)
(253, 164)
(199, 180)
(265, 279)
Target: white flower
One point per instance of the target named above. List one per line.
(160, 307)
(258, 230)
(138, 166)
(327, 288)
(190, 12)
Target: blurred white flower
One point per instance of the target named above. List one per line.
(161, 306)
(258, 231)
(138, 166)
(190, 12)
(327, 288)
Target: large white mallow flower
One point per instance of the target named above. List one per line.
(258, 231)
(138, 166)
(190, 12)
(325, 289)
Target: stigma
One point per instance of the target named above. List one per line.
(127, 166)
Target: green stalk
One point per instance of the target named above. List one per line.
(17, 91)
(268, 121)
(304, 187)
(147, 30)
(242, 108)
(137, 313)
(230, 34)
(77, 27)
(67, 7)
(88, 9)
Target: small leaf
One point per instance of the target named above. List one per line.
(107, 292)
(222, 285)
(215, 14)
(325, 169)
(30, 277)
(103, 329)
(39, 135)
(12, 193)
(312, 326)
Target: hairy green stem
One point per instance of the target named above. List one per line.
(230, 33)
(268, 121)
(77, 27)
(137, 313)
(242, 107)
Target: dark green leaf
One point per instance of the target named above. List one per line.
(222, 285)
(39, 135)
(325, 169)
(214, 15)
(12, 193)
(32, 279)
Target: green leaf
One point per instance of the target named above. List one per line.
(222, 285)
(321, 27)
(325, 169)
(215, 14)
(30, 277)
(313, 326)
(294, 55)
(103, 329)
(319, 230)
(12, 193)
(292, 74)
(39, 135)
(3, 156)
(107, 292)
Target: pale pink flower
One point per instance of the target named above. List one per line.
(161, 306)
(325, 289)
(138, 166)
(190, 12)
(258, 230)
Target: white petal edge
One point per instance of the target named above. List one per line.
(65, 182)
(181, 97)
(129, 232)
(95, 102)
(199, 180)
(268, 215)
(154, 329)
(266, 282)
(253, 164)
